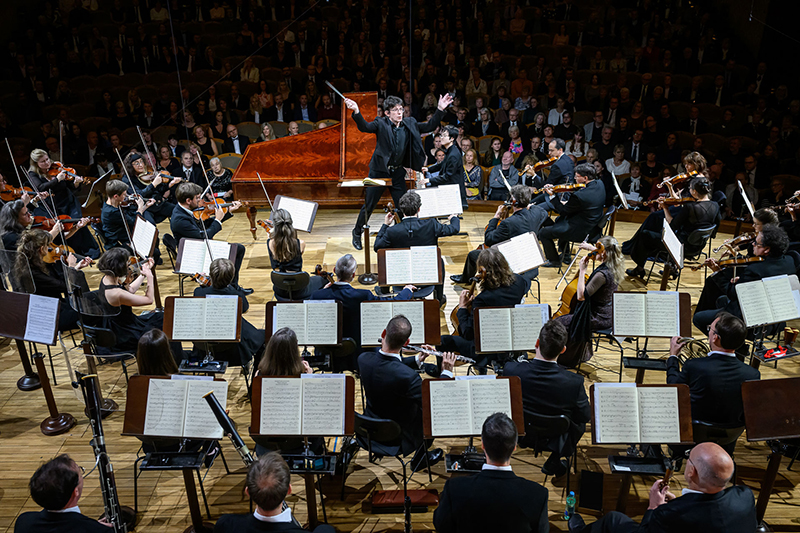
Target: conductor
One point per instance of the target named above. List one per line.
(398, 146)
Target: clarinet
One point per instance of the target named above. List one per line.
(113, 511)
(420, 349)
(227, 428)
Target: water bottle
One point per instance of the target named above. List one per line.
(570, 510)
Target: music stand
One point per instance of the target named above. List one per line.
(368, 277)
(431, 324)
(30, 381)
(302, 341)
(675, 249)
(382, 266)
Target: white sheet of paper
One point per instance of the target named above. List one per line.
(166, 408)
(522, 252)
(754, 304)
(398, 267)
(42, 321)
(622, 197)
(200, 422)
(143, 235)
(616, 408)
(526, 322)
(414, 311)
(488, 397)
(189, 319)
(746, 199)
(673, 244)
(495, 330)
(374, 318)
(659, 420)
(662, 314)
(629, 314)
(322, 323)
(451, 413)
(780, 297)
(796, 295)
(424, 264)
(441, 201)
(301, 211)
(323, 405)
(292, 316)
(281, 406)
(196, 259)
(221, 318)
(219, 250)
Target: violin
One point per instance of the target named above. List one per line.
(507, 211)
(732, 262)
(473, 284)
(57, 168)
(207, 208)
(203, 281)
(266, 224)
(677, 178)
(539, 166)
(569, 297)
(565, 187)
(391, 209)
(319, 272)
(55, 253)
(134, 269)
(741, 240)
(9, 193)
(668, 200)
(47, 224)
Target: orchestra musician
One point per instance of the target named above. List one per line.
(500, 287)
(451, 169)
(16, 217)
(286, 254)
(115, 231)
(414, 231)
(185, 226)
(562, 171)
(578, 216)
(524, 217)
(159, 188)
(398, 146)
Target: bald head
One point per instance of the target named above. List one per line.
(709, 468)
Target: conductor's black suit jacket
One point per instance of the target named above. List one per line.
(382, 128)
(413, 231)
(492, 500)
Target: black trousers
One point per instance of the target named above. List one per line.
(646, 243)
(372, 195)
(547, 236)
(470, 265)
(237, 262)
(612, 522)
(498, 194)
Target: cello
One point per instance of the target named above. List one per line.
(473, 283)
(570, 294)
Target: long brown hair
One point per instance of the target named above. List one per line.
(282, 356)
(29, 248)
(284, 236)
(498, 273)
(154, 356)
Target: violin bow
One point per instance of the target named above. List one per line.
(564, 276)
(125, 170)
(11, 155)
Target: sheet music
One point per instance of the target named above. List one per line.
(495, 330)
(415, 313)
(166, 408)
(526, 322)
(747, 201)
(441, 201)
(144, 233)
(780, 298)
(522, 252)
(200, 422)
(302, 211)
(754, 304)
(398, 267)
(221, 318)
(322, 323)
(374, 318)
(616, 413)
(193, 257)
(323, 405)
(281, 406)
(188, 319)
(663, 314)
(659, 419)
(219, 250)
(293, 316)
(42, 319)
(673, 244)
(451, 413)
(424, 264)
(629, 314)
(488, 397)
(623, 197)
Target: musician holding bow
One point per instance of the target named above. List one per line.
(158, 187)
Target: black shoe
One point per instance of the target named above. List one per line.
(458, 279)
(576, 523)
(635, 273)
(159, 262)
(443, 301)
(554, 467)
(552, 264)
(567, 257)
(357, 241)
(434, 456)
(379, 291)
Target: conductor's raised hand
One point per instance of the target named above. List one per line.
(444, 101)
(351, 104)
(448, 361)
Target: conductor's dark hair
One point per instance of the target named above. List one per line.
(452, 131)
(774, 238)
(586, 170)
(398, 330)
(268, 481)
(410, 203)
(499, 437)
(560, 144)
(52, 484)
(186, 191)
(391, 102)
(731, 330)
(153, 354)
(522, 195)
(552, 339)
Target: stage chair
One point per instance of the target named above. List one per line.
(541, 429)
(290, 282)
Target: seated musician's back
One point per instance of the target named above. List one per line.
(412, 230)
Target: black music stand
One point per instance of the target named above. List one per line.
(368, 277)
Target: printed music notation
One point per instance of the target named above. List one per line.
(311, 405)
(315, 322)
(511, 328)
(375, 315)
(767, 301)
(176, 408)
(646, 314)
(459, 407)
(627, 414)
(196, 319)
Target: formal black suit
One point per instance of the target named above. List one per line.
(414, 231)
(550, 389)
(46, 522)
(562, 171)
(641, 151)
(195, 175)
(451, 171)
(477, 129)
(492, 500)
(247, 523)
(228, 148)
(414, 157)
(579, 216)
(298, 113)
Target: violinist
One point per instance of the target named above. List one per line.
(561, 171)
(286, 254)
(160, 188)
(114, 229)
(578, 215)
(11, 193)
(592, 311)
(524, 217)
(15, 218)
(184, 225)
(46, 279)
(689, 217)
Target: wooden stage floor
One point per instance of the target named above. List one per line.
(162, 501)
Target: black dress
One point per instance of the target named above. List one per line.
(52, 284)
(295, 264)
(221, 184)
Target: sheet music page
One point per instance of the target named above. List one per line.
(616, 413)
(663, 314)
(398, 267)
(441, 201)
(200, 422)
(414, 311)
(221, 318)
(659, 419)
(166, 408)
(42, 319)
(281, 406)
(424, 264)
(300, 210)
(429, 208)
(780, 298)
(526, 322)
(188, 319)
(495, 330)
(754, 304)
(374, 317)
(673, 244)
(219, 250)
(451, 413)
(322, 322)
(293, 316)
(746, 198)
(143, 235)
(323, 404)
(522, 252)
(488, 397)
(629, 314)
(193, 259)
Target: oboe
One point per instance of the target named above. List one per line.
(108, 486)
(227, 428)
(412, 348)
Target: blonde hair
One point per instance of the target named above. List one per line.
(36, 155)
(615, 261)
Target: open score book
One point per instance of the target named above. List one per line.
(417, 265)
(459, 407)
(767, 301)
(194, 256)
(511, 328)
(441, 201)
(646, 314)
(376, 315)
(314, 404)
(196, 319)
(627, 414)
(522, 252)
(315, 322)
(176, 408)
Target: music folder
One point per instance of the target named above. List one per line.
(418, 265)
(144, 237)
(423, 315)
(29, 317)
(651, 314)
(767, 301)
(303, 212)
(195, 255)
(522, 252)
(441, 201)
(673, 245)
(506, 329)
(315, 322)
(207, 319)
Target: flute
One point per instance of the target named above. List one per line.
(412, 348)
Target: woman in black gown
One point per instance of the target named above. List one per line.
(286, 254)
